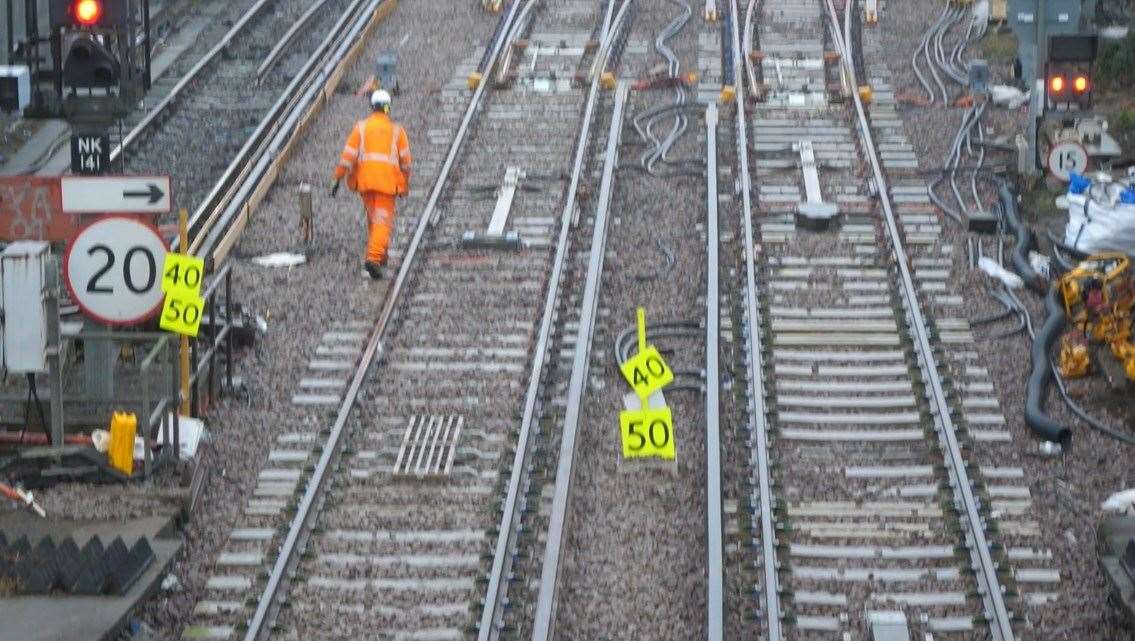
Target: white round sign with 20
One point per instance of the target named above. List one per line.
(113, 269)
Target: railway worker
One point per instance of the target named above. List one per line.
(376, 163)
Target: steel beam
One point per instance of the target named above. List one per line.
(714, 586)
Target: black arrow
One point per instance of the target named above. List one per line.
(154, 193)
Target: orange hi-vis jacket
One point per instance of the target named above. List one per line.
(376, 157)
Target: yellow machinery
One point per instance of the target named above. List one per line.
(1098, 298)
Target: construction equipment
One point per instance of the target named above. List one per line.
(1115, 552)
(1098, 298)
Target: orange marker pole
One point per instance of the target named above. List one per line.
(641, 330)
(183, 244)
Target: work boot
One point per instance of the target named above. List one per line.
(374, 270)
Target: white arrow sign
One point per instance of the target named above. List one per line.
(115, 194)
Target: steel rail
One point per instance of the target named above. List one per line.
(152, 115)
(299, 530)
(241, 178)
(600, 63)
(589, 305)
(715, 603)
(747, 43)
(514, 32)
(757, 408)
(1001, 622)
(270, 600)
(497, 590)
(286, 39)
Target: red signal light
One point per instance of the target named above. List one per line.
(1056, 84)
(1080, 84)
(87, 12)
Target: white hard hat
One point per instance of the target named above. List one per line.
(380, 98)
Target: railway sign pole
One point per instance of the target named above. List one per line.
(81, 195)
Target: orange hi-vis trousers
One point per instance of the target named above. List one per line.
(380, 224)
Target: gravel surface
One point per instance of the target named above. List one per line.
(636, 561)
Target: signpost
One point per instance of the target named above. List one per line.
(115, 194)
(648, 431)
(1066, 158)
(90, 153)
(113, 270)
(181, 281)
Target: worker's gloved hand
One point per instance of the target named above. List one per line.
(335, 188)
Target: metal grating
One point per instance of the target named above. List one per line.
(429, 446)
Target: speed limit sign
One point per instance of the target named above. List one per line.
(1067, 158)
(113, 270)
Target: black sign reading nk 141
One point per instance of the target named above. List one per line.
(90, 153)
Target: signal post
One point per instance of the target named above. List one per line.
(102, 75)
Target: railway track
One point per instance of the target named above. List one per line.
(591, 526)
(403, 512)
(893, 500)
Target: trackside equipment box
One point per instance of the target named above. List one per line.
(15, 88)
(23, 276)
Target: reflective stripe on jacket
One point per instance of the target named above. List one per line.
(376, 156)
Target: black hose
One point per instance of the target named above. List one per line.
(1025, 239)
(1077, 411)
(1071, 251)
(1036, 390)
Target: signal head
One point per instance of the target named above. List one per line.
(87, 12)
